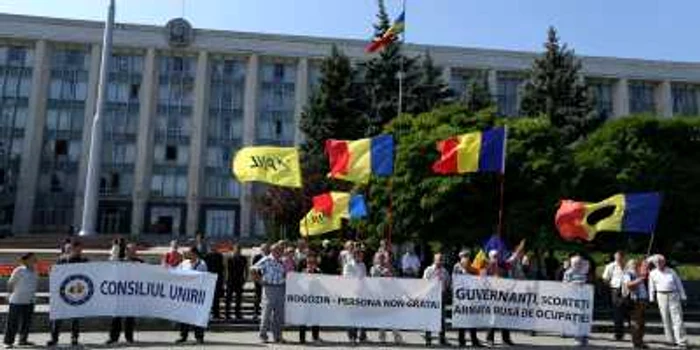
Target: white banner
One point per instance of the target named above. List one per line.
(487, 302)
(386, 303)
(131, 289)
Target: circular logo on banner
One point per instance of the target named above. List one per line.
(76, 290)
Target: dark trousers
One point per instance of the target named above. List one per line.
(638, 323)
(462, 337)
(218, 294)
(505, 335)
(619, 304)
(234, 291)
(19, 319)
(185, 331)
(315, 330)
(354, 332)
(74, 329)
(429, 335)
(257, 300)
(116, 328)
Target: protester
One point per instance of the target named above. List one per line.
(577, 273)
(130, 255)
(612, 275)
(173, 257)
(201, 244)
(118, 251)
(271, 273)
(666, 288)
(237, 276)
(311, 266)
(354, 267)
(22, 286)
(288, 260)
(347, 253)
(464, 267)
(329, 258)
(437, 271)
(73, 255)
(410, 264)
(215, 265)
(551, 267)
(382, 268)
(192, 262)
(634, 287)
(497, 268)
(302, 250)
(263, 251)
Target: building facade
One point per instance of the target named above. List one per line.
(181, 101)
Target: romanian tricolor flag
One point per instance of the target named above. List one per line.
(480, 260)
(474, 152)
(635, 213)
(389, 36)
(328, 211)
(356, 160)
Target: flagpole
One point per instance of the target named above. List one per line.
(502, 180)
(401, 68)
(651, 242)
(92, 179)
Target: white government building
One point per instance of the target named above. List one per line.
(182, 100)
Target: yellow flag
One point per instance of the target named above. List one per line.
(317, 223)
(274, 165)
(479, 260)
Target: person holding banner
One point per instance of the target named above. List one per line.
(464, 267)
(129, 322)
(577, 273)
(271, 273)
(497, 268)
(612, 275)
(437, 271)
(666, 288)
(311, 260)
(22, 286)
(172, 258)
(73, 255)
(263, 251)
(192, 262)
(382, 268)
(634, 287)
(354, 267)
(237, 269)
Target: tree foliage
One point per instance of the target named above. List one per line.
(556, 88)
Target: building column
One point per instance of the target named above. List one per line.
(144, 144)
(198, 143)
(33, 141)
(301, 97)
(250, 111)
(89, 115)
(492, 79)
(621, 98)
(663, 99)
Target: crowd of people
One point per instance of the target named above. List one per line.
(633, 285)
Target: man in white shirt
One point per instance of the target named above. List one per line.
(354, 267)
(22, 287)
(437, 271)
(192, 262)
(612, 275)
(666, 288)
(410, 264)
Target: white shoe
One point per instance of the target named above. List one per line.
(8, 346)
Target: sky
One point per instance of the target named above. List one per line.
(650, 29)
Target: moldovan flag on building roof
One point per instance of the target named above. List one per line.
(356, 160)
(328, 211)
(634, 213)
(389, 36)
(274, 165)
(474, 152)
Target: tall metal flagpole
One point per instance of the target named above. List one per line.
(401, 68)
(94, 163)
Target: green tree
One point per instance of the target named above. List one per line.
(334, 111)
(430, 91)
(556, 88)
(381, 78)
(477, 96)
(642, 154)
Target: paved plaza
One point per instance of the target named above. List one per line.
(336, 340)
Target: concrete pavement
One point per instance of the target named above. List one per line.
(335, 340)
